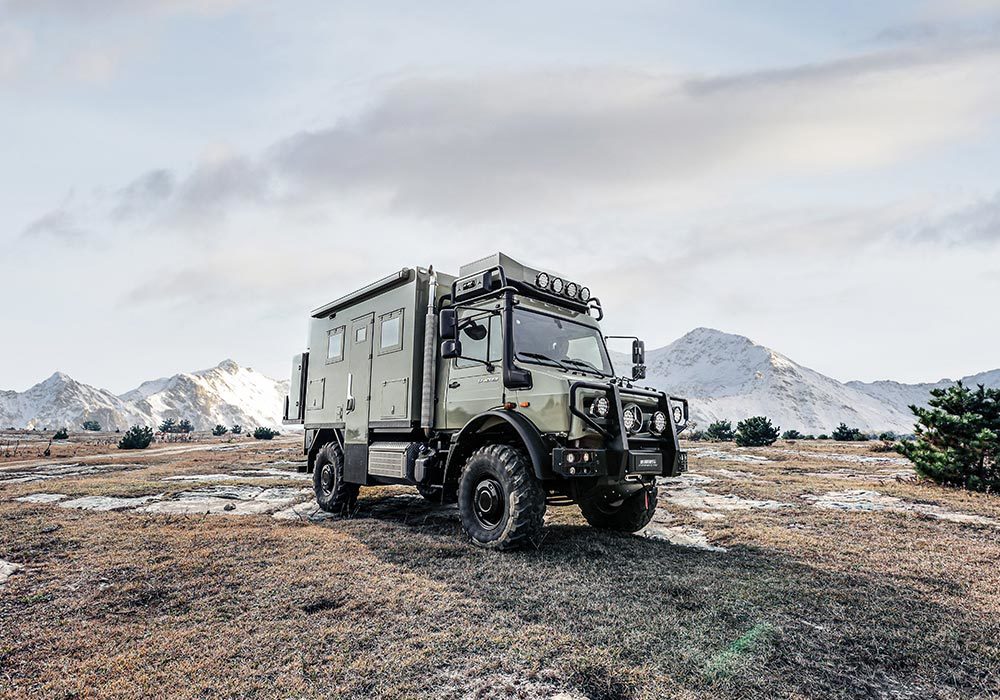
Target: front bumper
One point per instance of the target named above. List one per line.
(585, 462)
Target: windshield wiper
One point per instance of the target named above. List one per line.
(584, 364)
(540, 356)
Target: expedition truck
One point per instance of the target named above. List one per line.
(494, 389)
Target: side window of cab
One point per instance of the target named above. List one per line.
(481, 336)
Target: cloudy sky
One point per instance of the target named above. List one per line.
(182, 180)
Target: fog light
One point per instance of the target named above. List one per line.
(658, 422)
(542, 281)
(558, 284)
(678, 414)
(570, 457)
(586, 456)
(632, 418)
(601, 407)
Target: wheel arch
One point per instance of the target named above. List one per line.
(324, 436)
(502, 423)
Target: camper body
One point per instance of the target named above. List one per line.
(493, 388)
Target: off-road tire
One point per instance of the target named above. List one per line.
(441, 496)
(332, 494)
(521, 498)
(632, 515)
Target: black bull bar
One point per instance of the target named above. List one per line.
(622, 447)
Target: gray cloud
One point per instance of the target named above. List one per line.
(58, 224)
(978, 223)
(144, 194)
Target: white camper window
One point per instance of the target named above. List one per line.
(335, 345)
(390, 332)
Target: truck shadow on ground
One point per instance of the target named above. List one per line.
(749, 621)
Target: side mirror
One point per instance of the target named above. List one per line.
(451, 349)
(448, 328)
(638, 352)
(638, 359)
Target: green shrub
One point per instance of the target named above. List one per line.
(792, 435)
(823, 436)
(91, 425)
(61, 434)
(137, 437)
(236, 429)
(185, 426)
(265, 433)
(168, 426)
(695, 435)
(755, 432)
(720, 431)
(845, 434)
(958, 438)
(810, 436)
(219, 430)
(888, 435)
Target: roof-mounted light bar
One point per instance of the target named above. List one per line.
(561, 287)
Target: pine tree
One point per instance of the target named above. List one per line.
(792, 435)
(185, 426)
(721, 431)
(958, 438)
(168, 426)
(91, 425)
(137, 437)
(756, 432)
(219, 430)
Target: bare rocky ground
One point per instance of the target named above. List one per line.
(205, 570)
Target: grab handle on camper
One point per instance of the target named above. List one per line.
(350, 391)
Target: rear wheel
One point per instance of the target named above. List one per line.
(332, 494)
(604, 510)
(501, 503)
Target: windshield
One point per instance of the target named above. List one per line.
(558, 342)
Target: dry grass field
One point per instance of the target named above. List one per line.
(801, 570)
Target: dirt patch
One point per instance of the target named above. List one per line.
(685, 492)
(41, 498)
(228, 500)
(863, 500)
(726, 456)
(106, 503)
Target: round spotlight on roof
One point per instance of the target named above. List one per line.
(558, 284)
(542, 280)
(584, 294)
(572, 289)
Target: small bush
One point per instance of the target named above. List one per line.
(168, 426)
(219, 430)
(958, 438)
(845, 434)
(265, 433)
(884, 446)
(696, 435)
(91, 425)
(888, 435)
(137, 437)
(823, 436)
(756, 432)
(720, 431)
(792, 435)
(61, 434)
(810, 436)
(236, 429)
(185, 426)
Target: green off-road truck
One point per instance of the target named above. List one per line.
(494, 389)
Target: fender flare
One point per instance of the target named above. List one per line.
(538, 452)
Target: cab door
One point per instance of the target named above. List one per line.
(472, 387)
(359, 379)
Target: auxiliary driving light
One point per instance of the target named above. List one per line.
(542, 280)
(584, 294)
(678, 415)
(572, 289)
(632, 418)
(658, 423)
(601, 407)
(558, 284)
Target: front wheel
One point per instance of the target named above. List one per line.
(604, 510)
(500, 501)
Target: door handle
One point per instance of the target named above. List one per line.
(454, 385)
(350, 391)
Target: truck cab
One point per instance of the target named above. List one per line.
(493, 388)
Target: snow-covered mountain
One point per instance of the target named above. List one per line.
(226, 393)
(730, 377)
(61, 401)
(904, 395)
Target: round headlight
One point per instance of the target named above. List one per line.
(557, 285)
(658, 423)
(572, 289)
(678, 414)
(601, 407)
(584, 294)
(632, 418)
(542, 280)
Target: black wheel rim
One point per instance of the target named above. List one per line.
(326, 479)
(488, 503)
